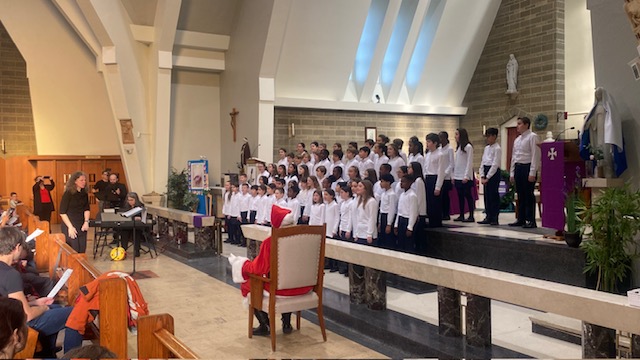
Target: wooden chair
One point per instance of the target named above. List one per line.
(297, 260)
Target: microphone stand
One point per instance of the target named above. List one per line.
(564, 131)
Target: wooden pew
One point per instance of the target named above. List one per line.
(30, 346)
(156, 339)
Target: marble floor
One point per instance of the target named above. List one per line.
(210, 319)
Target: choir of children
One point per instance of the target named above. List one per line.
(374, 195)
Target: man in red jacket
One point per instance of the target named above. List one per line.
(242, 267)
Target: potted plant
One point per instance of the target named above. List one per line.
(609, 227)
(594, 164)
(178, 195)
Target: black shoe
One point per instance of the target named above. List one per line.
(286, 323)
(517, 223)
(333, 270)
(495, 222)
(484, 222)
(530, 225)
(469, 220)
(446, 218)
(227, 241)
(262, 330)
(459, 218)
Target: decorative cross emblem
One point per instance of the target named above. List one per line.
(552, 154)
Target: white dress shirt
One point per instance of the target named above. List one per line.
(435, 166)
(491, 156)
(389, 205)
(379, 161)
(421, 193)
(526, 151)
(417, 157)
(294, 206)
(316, 214)
(408, 208)
(332, 218)
(363, 165)
(463, 168)
(447, 158)
(395, 163)
(365, 220)
(346, 211)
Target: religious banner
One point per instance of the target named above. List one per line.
(198, 175)
(552, 185)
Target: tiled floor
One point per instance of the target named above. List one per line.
(210, 319)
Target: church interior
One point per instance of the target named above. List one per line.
(142, 87)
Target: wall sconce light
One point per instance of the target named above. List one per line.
(292, 130)
(3, 146)
(129, 149)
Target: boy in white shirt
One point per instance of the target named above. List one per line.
(407, 216)
(388, 210)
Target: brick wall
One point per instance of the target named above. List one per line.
(532, 30)
(330, 126)
(16, 116)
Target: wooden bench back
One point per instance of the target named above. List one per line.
(156, 339)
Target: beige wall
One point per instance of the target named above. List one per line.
(331, 126)
(71, 110)
(195, 121)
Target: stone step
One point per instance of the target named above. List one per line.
(558, 327)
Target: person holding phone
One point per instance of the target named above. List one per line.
(42, 200)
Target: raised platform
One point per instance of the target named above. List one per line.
(514, 250)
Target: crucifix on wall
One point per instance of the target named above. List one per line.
(233, 115)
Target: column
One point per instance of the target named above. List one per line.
(449, 313)
(375, 284)
(598, 341)
(356, 284)
(478, 320)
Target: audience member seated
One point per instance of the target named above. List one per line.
(242, 267)
(42, 315)
(90, 352)
(9, 217)
(126, 235)
(14, 201)
(13, 328)
(34, 284)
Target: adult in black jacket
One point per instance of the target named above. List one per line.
(42, 199)
(116, 192)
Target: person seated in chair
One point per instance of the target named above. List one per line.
(242, 267)
(42, 316)
(126, 235)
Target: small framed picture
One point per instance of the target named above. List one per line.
(370, 133)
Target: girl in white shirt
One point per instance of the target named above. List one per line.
(312, 186)
(316, 211)
(267, 202)
(302, 197)
(463, 174)
(346, 225)
(388, 210)
(394, 159)
(331, 213)
(415, 170)
(293, 203)
(292, 174)
(365, 227)
(278, 194)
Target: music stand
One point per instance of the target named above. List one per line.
(130, 214)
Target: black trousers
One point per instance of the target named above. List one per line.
(524, 189)
(45, 211)
(446, 201)
(405, 243)
(385, 240)
(79, 244)
(464, 193)
(434, 203)
(492, 195)
(252, 216)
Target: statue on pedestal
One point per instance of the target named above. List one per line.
(602, 136)
(512, 75)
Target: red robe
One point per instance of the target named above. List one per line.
(260, 266)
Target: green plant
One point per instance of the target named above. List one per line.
(573, 200)
(178, 195)
(506, 201)
(609, 227)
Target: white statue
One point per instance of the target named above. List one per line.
(512, 75)
(549, 137)
(605, 130)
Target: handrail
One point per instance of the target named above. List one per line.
(595, 307)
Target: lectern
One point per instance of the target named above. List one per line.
(561, 163)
